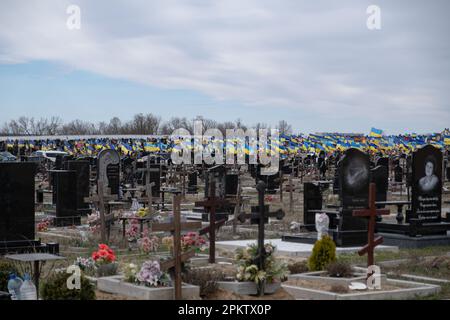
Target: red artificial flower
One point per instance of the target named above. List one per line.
(103, 253)
(111, 258)
(103, 247)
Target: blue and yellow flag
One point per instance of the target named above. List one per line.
(376, 133)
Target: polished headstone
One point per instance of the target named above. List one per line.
(108, 170)
(427, 184)
(17, 197)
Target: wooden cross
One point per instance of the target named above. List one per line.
(211, 204)
(149, 185)
(105, 219)
(372, 213)
(261, 218)
(237, 207)
(175, 228)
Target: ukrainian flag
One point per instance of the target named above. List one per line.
(447, 140)
(376, 133)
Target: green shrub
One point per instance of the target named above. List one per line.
(55, 288)
(5, 269)
(324, 252)
(339, 269)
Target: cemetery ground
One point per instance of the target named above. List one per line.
(231, 233)
(403, 264)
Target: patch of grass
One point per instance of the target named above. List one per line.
(354, 258)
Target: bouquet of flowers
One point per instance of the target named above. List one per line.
(151, 275)
(43, 226)
(94, 222)
(272, 271)
(132, 232)
(168, 243)
(192, 240)
(142, 212)
(85, 263)
(130, 272)
(147, 244)
(104, 255)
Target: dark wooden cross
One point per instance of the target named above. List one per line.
(237, 208)
(372, 212)
(99, 201)
(210, 205)
(149, 185)
(175, 228)
(261, 218)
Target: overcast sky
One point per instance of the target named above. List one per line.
(314, 63)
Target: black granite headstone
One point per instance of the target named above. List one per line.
(83, 173)
(354, 194)
(380, 177)
(192, 182)
(383, 161)
(17, 201)
(66, 198)
(231, 184)
(312, 200)
(427, 184)
(155, 177)
(354, 179)
(398, 173)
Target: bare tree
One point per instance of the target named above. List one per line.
(176, 123)
(284, 127)
(78, 127)
(141, 124)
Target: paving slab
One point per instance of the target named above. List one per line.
(292, 249)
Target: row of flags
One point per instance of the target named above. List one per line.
(374, 142)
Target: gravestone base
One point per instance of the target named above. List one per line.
(309, 238)
(342, 239)
(350, 238)
(404, 241)
(27, 246)
(412, 230)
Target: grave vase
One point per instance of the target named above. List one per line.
(106, 270)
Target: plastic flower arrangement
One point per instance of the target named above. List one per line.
(43, 226)
(85, 263)
(148, 244)
(130, 272)
(151, 275)
(274, 269)
(168, 243)
(94, 222)
(192, 240)
(132, 232)
(142, 212)
(104, 255)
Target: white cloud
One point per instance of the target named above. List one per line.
(315, 57)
